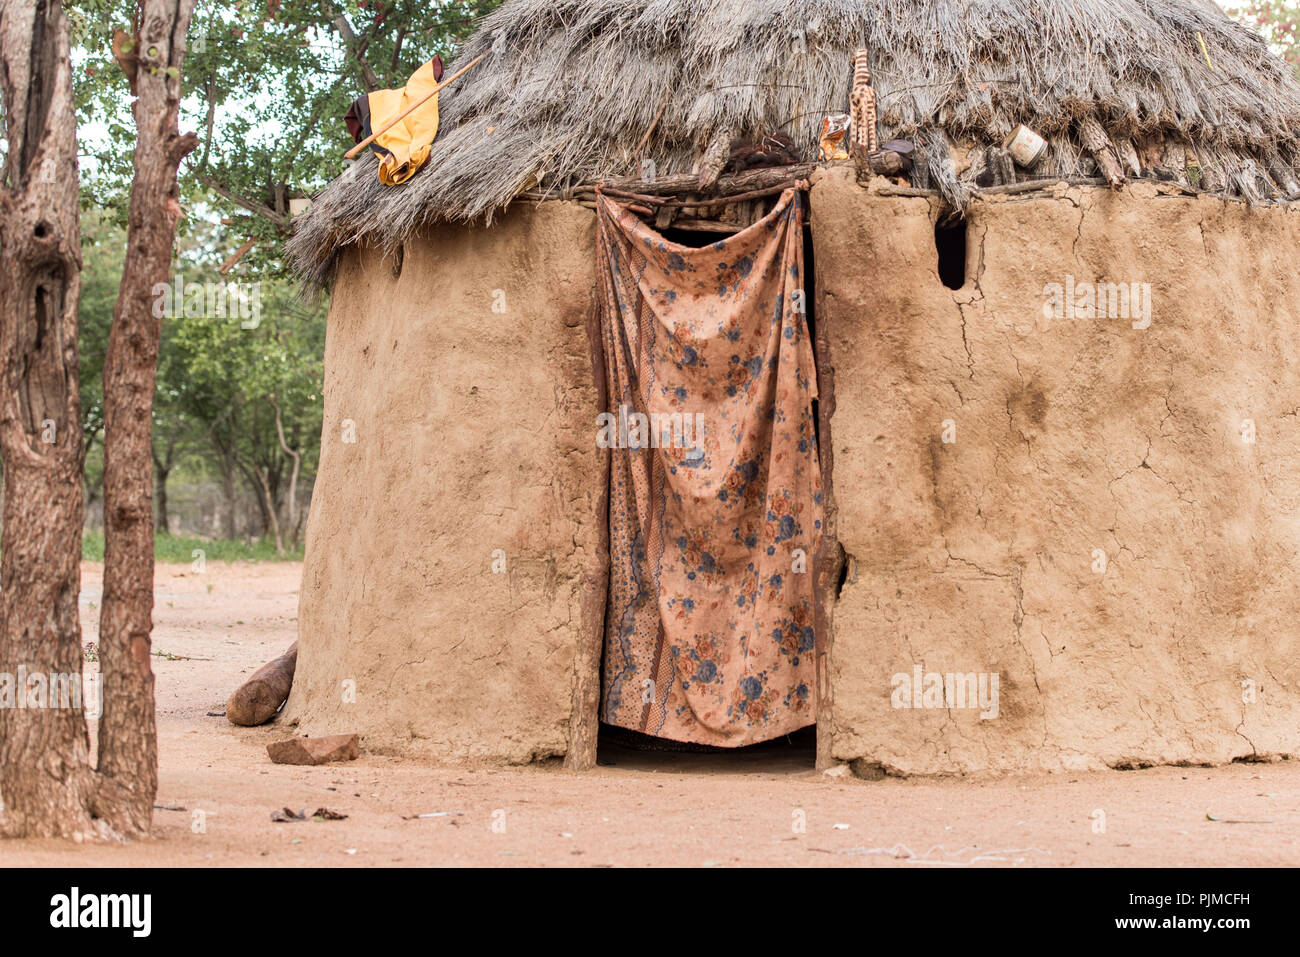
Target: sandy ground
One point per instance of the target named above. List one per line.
(218, 789)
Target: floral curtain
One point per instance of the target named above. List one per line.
(716, 495)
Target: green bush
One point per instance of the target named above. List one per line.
(179, 550)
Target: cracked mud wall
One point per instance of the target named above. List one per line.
(1073, 438)
(474, 432)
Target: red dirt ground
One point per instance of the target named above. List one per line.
(220, 789)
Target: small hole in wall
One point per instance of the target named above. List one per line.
(950, 242)
(42, 229)
(399, 259)
(846, 571)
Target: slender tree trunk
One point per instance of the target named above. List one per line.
(93, 490)
(257, 488)
(46, 780)
(268, 507)
(291, 519)
(162, 468)
(128, 744)
(229, 492)
(160, 474)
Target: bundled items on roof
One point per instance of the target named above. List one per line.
(835, 138)
(863, 104)
(775, 149)
(893, 160)
(1025, 146)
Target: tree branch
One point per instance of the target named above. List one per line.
(313, 118)
(258, 209)
(296, 456)
(350, 39)
(182, 146)
(397, 52)
(210, 123)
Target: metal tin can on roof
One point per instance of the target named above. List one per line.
(1025, 146)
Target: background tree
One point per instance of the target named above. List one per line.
(267, 83)
(103, 255)
(1279, 21)
(46, 779)
(128, 744)
(242, 388)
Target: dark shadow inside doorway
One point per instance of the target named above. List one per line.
(792, 754)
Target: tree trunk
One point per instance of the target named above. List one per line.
(92, 491)
(268, 509)
(253, 483)
(229, 492)
(128, 745)
(162, 467)
(291, 519)
(46, 779)
(160, 474)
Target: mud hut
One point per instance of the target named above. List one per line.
(1056, 426)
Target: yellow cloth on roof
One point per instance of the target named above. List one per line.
(408, 142)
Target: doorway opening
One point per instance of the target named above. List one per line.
(623, 693)
(792, 753)
(693, 238)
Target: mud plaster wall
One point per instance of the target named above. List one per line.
(474, 431)
(1071, 436)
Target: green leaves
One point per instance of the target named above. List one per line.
(266, 84)
(1279, 21)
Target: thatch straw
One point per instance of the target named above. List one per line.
(570, 87)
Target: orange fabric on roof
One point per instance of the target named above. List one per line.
(405, 148)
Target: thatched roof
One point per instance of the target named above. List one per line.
(570, 88)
